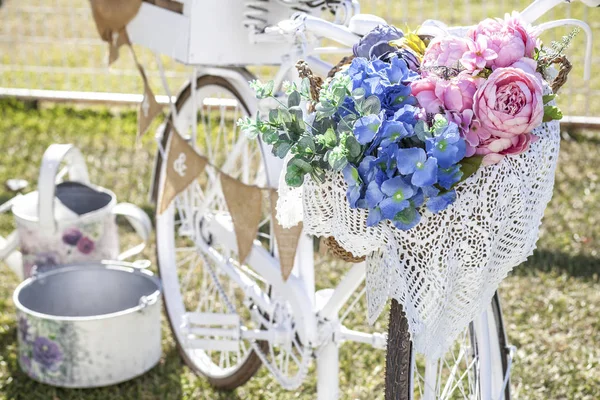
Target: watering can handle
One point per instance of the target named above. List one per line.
(140, 222)
(54, 155)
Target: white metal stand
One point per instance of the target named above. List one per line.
(328, 372)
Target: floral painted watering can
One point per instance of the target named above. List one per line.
(68, 222)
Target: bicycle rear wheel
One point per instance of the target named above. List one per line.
(476, 366)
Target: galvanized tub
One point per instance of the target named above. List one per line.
(89, 324)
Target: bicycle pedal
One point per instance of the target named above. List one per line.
(212, 331)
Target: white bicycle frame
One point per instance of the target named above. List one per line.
(317, 313)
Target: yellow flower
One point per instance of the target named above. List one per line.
(411, 41)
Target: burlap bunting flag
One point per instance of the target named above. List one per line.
(287, 239)
(245, 207)
(184, 165)
(111, 17)
(149, 107)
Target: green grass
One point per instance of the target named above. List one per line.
(69, 55)
(551, 303)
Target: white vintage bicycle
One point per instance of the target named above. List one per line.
(229, 319)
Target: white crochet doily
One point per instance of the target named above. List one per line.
(445, 270)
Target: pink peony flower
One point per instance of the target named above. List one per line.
(478, 55)
(495, 149)
(457, 93)
(444, 51)
(528, 65)
(508, 38)
(509, 103)
(425, 91)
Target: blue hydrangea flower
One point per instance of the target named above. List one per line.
(407, 114)
(399, 193)
(396, 71)
(373, 195)
(375, 216)
(447, 177)
(411, 59)
(386, 160)
(394, 97)
(354, 184)
(437, 203)
(375, 43)
(366, 128)
(447, 147)
(393, 131)
(414, 161)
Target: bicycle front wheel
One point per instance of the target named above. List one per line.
(476, 366)
(189, 260)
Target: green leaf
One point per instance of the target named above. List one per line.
(306, 145)
(439, 123)
(354, 148)
(548, 98)
(358, 94)
(296, 112)
(468, 166)
(551, 113)
(325, 110)
(283, 115)
(274, 116)
(294, 99)
(249, 126)
(328, 139)
(294, 176)
(372, 105)
(268, 88)
(305, 88)
(337, 158)
(422, 130)
(281, 149)
(302, 164)
(270, 135)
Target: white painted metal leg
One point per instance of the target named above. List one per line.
(485, 362)
(328, 372)
(431, 375)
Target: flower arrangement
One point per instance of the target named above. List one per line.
(412, 117)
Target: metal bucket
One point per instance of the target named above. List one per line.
(89, 325)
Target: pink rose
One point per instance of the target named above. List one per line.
(508, 38)
(495, 149)
(444, 51)
(509, 103)
(424, 90)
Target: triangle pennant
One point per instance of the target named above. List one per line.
(111, 18)
(287, 239)
(118, 39)
(183, 168)
(149, 107)
(245, 207)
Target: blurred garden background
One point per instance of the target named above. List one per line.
(551, 303)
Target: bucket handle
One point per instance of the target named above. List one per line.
(53, 156)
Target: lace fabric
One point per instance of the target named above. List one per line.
(446, 269)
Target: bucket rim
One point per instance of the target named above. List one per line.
(153, 298)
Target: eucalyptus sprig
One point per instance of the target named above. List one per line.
(317, 143)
